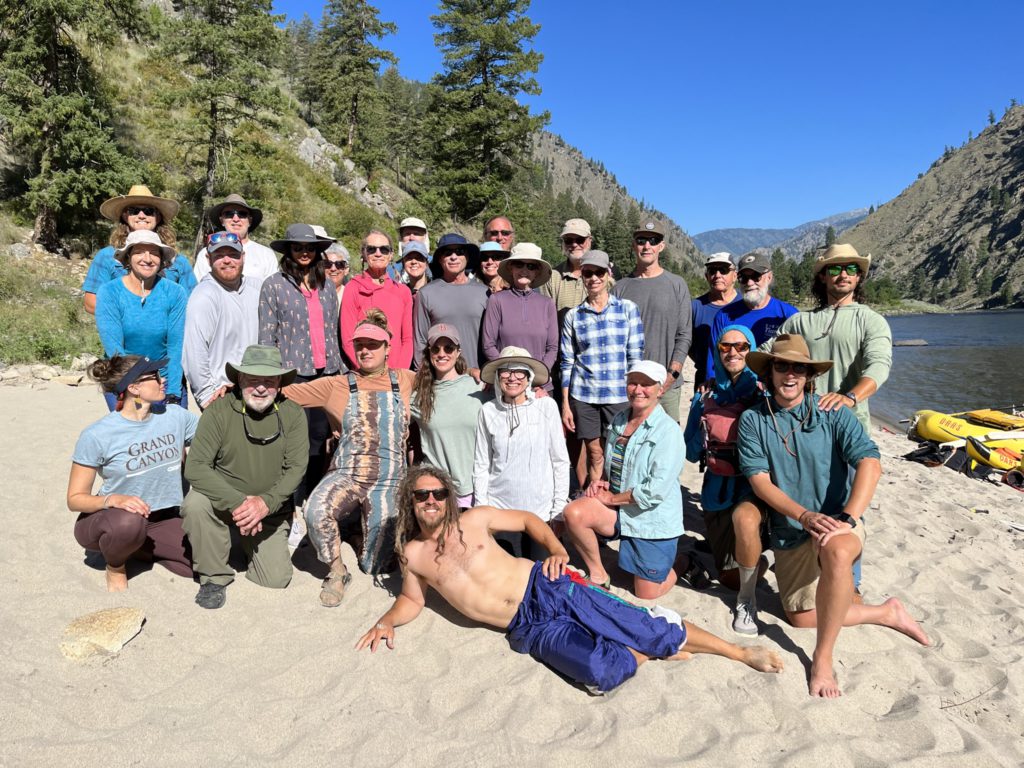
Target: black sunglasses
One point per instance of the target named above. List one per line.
(336, 264)
(455, 250)
(385, 249)
(589, 273)
(240, 213)
(422, 494)
(263, 440)
(135, 210)
(530, 265)
(448, 349)
(645, 239)
(799, 369)
(719, 269)
(502, 232)
(573, 240)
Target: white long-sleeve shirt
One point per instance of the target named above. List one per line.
(219, 325)
(528, 469)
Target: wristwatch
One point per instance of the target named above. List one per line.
(848, 519)
(852, 395)
(676, 374)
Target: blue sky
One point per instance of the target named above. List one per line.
(763, 113)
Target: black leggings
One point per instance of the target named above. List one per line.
(119, 535)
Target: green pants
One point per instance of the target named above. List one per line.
(670, 402)
(209, 531)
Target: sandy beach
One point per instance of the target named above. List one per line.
(273, 677)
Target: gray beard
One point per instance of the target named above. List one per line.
(256, 405)
(754, 297)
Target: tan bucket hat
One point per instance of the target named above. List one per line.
(841, 253)
(510, 355)
(140, 236)
(789, 347)
(139, 194)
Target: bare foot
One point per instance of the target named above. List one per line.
(762, 659)
(902, 621)
(681, 656)
(117, 579)
(823, 680)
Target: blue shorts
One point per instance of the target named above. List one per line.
(650, 559)
(585, 633)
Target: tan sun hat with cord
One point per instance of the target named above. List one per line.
(789, 347)
(139, 195)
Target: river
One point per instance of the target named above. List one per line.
(972, 360)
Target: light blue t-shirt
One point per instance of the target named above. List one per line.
(139, 458)
(105, 267)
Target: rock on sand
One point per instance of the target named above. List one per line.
(101, 633)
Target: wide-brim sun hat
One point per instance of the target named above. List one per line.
(515, 356)
(260, 360)
(234, 201)
(300, 234)
(528, 252)
(788, 347)
(841, 253)
(139, 194)
(147, 237)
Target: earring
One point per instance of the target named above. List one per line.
(138, 402)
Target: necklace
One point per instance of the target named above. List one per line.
(785, 437)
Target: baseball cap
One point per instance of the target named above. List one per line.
(443, 331)
(597, 259)
(722, 257)
(649, 227)
(576, 227)
(652, 370)
(412, 221)
(755, 262)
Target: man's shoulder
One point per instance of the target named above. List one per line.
(782, 307)
(251, 246)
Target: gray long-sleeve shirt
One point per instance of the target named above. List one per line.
(665, 310)
(459, 305)
(219, 325)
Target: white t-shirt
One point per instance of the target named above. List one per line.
(260, 262)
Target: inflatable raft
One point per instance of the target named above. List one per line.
(990, 437)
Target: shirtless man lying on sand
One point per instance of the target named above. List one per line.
(554, 615)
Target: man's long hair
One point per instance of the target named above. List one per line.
(408, 526)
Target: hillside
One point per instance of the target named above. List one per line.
(794, 241)
(954, 236)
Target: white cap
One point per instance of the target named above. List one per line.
(412, 221)
(652, 370)
(722, 257)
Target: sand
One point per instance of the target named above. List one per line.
(272, 678)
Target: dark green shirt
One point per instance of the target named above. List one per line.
(226, 466)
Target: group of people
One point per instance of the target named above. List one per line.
(440, 399)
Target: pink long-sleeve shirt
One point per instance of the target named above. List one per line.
(394, 300)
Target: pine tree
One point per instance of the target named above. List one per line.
(300, 65)
(991, 117)
(830, 236)
(482, 133)
(226, 49)
(54, 110)
(871, 210)
(348, 66)
(613, 234)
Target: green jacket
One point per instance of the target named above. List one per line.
(226, 466)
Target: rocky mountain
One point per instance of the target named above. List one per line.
(794, 242)
(569, 170)
(954, 236)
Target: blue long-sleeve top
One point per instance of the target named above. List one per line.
(154, 326)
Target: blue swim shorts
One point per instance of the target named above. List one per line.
(650, 559)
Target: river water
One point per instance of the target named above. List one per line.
(972, 360)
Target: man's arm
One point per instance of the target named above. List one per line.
(200, 465)
(200, 321)
(684, 329)
(407, 606)
(518, 521)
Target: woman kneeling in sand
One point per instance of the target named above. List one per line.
(137, 453)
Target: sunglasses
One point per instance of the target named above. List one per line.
(750, 277)
(573, 240)
(513, 375)
(739, 346)
(415, 257)
(385, 249)
(485, 256)
(263, 440)
(530, 265)
(501, 232)
(149, 377)
(457, 250)
(337, 264)
(835, 269)
(304, 248)
(422, 494)
(448, 349)
(235, 213)
(589, 273)
(720, 269)
(647, 239)
(220, 238)
(800, 369)
(135, 210)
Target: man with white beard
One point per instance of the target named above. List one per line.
(249, 453)
(759, 311)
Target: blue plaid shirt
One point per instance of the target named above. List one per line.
(598, 348)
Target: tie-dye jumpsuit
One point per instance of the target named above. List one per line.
(362, 479)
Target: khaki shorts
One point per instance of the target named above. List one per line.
(797, 572)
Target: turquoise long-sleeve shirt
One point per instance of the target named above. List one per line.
(826, 444)
(654, 458)
(154, 326)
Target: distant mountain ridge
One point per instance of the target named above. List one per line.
(954, 236)
(793, 241)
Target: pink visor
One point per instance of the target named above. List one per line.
(370, 331)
